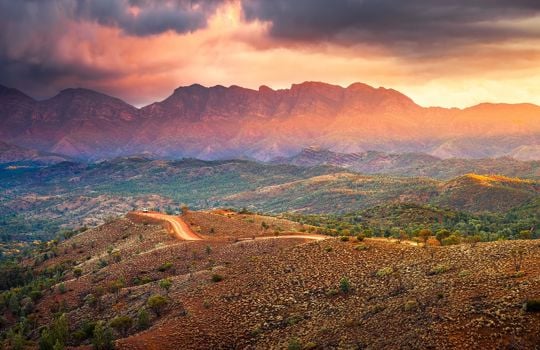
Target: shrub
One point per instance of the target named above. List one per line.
(328, 249)
(345, 285)
(344, 238)
(294, 344)
(385, 271)
(441, 268)
(451, 240)
(103, 338)
(62, 288)
(166, 266)
(157, 303)
(410, 305)
(122, 324)
(143, 319)
(361, 247)
(532, 305)
(217, 278)
(165, 284)
(77, 272)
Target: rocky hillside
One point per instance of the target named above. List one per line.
(234, 122)
(132, 282)
(412, 164)
(19, 155)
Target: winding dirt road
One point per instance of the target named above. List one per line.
(178, 227)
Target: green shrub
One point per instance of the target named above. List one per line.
(532, 305)
(344, 238)
(122, 324)
(345, 285)
(441, 268)
(166, 266)
(102, 337)
(157, 303)
(385, 271)
(217, 278)
(143, 319)
(294, 344)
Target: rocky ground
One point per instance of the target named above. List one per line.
(275, 294)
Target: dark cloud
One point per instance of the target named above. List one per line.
(36, 57)
(151, 17)
(408, 25)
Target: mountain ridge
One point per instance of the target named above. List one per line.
(231, 122)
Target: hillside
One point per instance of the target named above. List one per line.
(234, 122)
(39, 201)
(487, 193)
(131, 281)
(21, 156)
(413, 164)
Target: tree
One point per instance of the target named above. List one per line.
(424, 234)
(103, 338)
(122, 324)
(60, 329)
(157, 303)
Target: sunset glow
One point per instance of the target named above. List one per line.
(238, 46)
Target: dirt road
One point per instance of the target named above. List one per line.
(312, 237)
(178, 227)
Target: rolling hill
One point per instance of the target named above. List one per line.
(413, 164)
(77, 194)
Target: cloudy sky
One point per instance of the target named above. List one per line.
(440, 53)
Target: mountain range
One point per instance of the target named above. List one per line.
(234, 122)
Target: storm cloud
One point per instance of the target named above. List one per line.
(406, 25)
(142, 49)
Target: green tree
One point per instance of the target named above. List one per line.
(103, 338)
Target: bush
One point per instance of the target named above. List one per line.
(122, 324)
(294, 344)
(77, 272)
(344, 238)
(166, 266)
(217, 278)
(441, 268)
(165, 284)
(103, 337)
(345, 285)
(532, 305)
(385, 271)
(157, 303)
(361, 247)
(62, 288)
(143, 319)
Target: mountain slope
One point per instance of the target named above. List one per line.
(412, 164)
(220, 122)
(14, 154)
(156, 292)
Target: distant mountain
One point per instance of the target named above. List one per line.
(14, 154)
(412, 164)
(234, 122)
